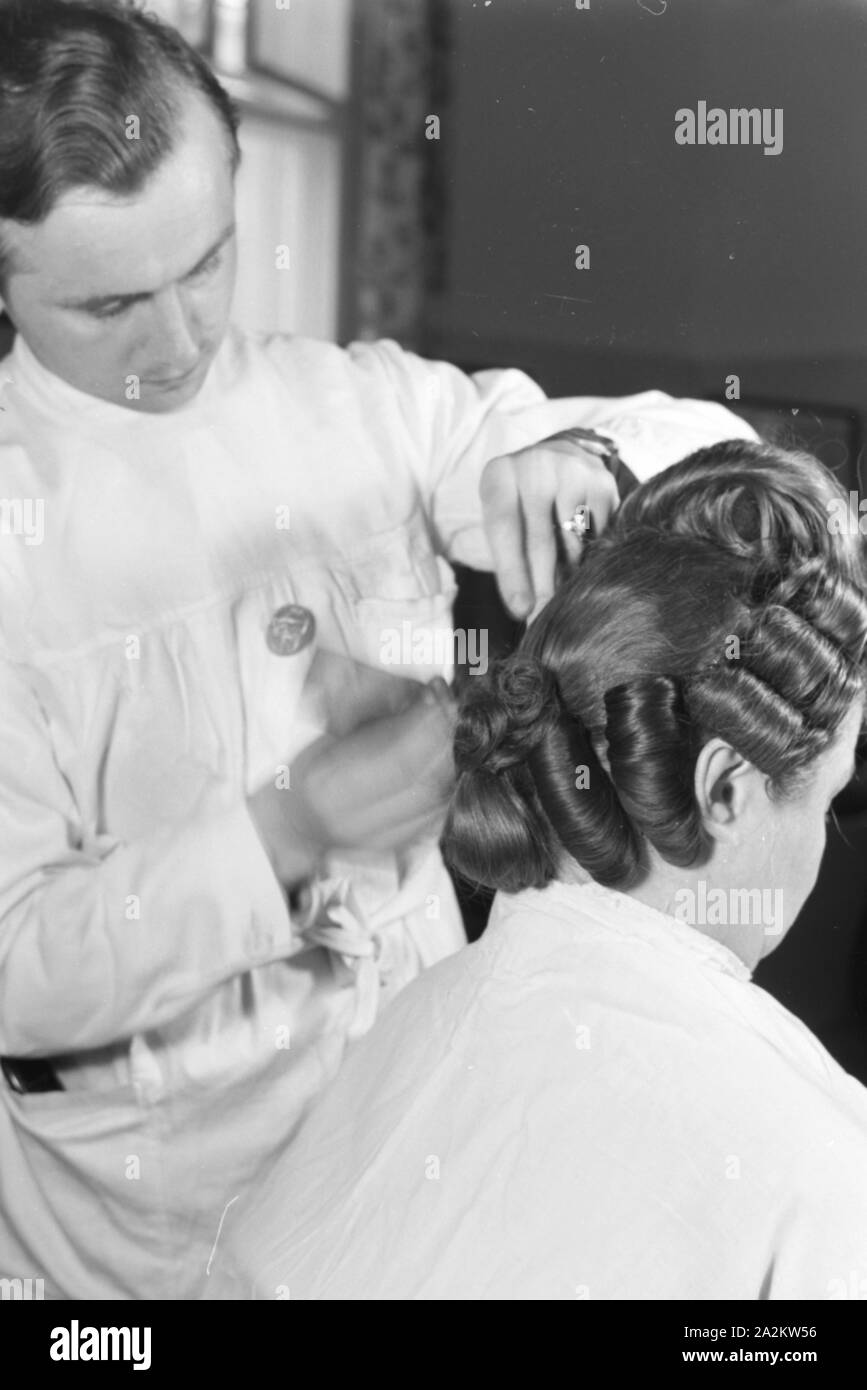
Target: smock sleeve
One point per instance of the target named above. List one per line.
(102, 940)
(459, 422)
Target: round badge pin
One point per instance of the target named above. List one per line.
(291, 629)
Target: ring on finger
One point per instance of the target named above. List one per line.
(578, 523)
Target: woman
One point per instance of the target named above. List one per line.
(594, 1100)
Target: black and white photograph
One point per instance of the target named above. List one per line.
(433, 663)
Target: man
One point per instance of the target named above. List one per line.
(218, 835)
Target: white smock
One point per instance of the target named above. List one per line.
(145, 943)
(592, 1102)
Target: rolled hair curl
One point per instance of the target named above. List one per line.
(518, 754)
(718, 605)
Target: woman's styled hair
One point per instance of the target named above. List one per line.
(72, 73)
(718, 603)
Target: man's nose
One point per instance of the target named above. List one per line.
(173, 336)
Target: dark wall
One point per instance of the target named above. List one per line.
(705, 261)
(7, 335)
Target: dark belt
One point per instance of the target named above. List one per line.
(27, 1074)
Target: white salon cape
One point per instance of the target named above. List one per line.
(145, 943)
(592, 1102)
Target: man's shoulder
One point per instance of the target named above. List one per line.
(295, 358)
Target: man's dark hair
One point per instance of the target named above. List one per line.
(72, 73)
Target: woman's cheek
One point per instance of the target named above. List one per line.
(810, 852)
(798, 849)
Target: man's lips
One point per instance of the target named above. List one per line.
(166, 382)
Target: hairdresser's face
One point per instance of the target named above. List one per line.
(120, 297)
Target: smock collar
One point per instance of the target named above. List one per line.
(57, 398)
(629, 917)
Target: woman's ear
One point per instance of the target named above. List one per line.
(725, 788)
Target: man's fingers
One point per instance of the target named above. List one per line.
(541, 541)
(525, 499)
(565, 509)
(589, 510)
(505, 532)
(343, 693)
(603, 499)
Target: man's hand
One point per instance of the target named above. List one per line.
(340, 693)
(383, 786)
(525, 497)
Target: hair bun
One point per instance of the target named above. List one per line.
(505, 715)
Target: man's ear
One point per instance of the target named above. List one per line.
(725, 786)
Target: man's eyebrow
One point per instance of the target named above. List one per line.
(217, 246)
(101, 300)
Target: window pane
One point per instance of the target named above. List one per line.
(288, 197)
(308, 42)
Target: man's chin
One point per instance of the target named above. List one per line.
(162, 397)
(163, 403)
(152, 398)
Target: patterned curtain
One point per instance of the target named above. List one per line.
(400, 194)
